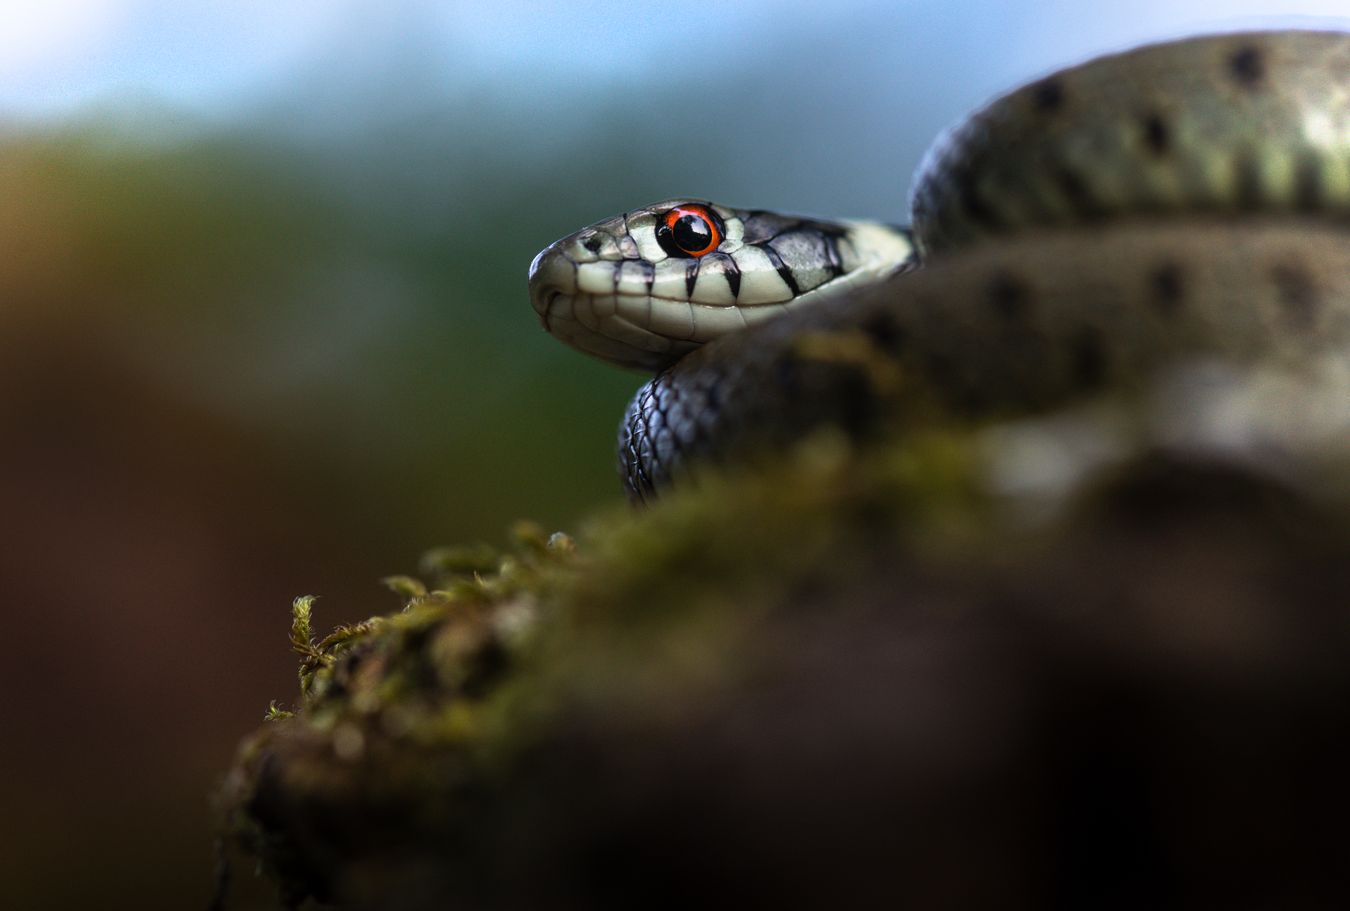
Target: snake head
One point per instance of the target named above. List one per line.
(644, 288)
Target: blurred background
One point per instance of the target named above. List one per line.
(263, 325)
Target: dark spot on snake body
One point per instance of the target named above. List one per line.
(1157, 137)
(972, 203)
(1308, 189)
(846, 386)
(787, 373)
(1048, 95)
(1247, 185)
(1088, 356)
(885, 333)
(1008, 297)
(1297, 293)
(1167, 287)
(1076, 192)
(858, 404)
(1247, 66)
(712, 398)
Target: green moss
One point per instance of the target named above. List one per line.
(427, 728)
(451, 690)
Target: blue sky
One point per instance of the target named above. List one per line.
(224, 58)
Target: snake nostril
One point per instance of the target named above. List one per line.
(592, 243)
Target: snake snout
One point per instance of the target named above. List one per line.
(552, 276)
(534, 263)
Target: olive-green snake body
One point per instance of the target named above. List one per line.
(1188, 199)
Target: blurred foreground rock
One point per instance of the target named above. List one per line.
(1096, 659)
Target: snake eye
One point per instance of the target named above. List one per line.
(689, 231)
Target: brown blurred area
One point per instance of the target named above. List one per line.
(147, 556)
(190, 438)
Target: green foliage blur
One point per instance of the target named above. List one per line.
(380, 350)
(238, 366)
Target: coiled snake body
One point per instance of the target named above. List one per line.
(1182, 199)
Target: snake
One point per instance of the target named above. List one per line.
(1074, 236)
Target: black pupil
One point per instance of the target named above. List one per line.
(691, 233)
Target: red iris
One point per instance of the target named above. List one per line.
(689, 231)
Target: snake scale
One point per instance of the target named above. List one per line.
(1183, 199)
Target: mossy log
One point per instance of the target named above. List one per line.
(1078, 661)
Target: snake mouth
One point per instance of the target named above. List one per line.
(548, 309)
(552, 276)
